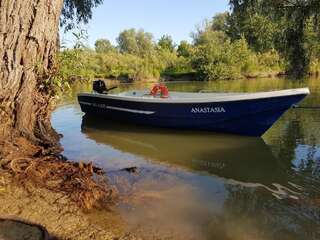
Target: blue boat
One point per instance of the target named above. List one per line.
(250, 114)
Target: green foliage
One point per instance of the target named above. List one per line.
(282, 25)
(126, 65)
(166, 43)
(259, 32)
(135, 42)
(212, 56)
(256, 38)
(137, 59)
(181, 65)
(270, 61)
(312, 43)
(184, 49)
(220, 22)
(315, 66)
(252, 20)
(85, 64)
(216, 56)
(80, 38)
(76, 11)
(208, 36)
(75, 64)
(103, 46)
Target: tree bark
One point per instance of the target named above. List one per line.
(28, 45)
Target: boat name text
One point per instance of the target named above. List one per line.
(208, 110)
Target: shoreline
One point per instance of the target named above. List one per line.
(188, 77)
(39, 186)
(54, 211)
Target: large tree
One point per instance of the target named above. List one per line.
(136, 42)
(28, 46)
(289, 17)
(166, 43)
(103, 46)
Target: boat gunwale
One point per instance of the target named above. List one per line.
(214, 99)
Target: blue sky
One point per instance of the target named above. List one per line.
(177, 18)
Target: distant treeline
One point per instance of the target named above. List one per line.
(257, 38)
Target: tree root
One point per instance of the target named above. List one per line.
(83, 183)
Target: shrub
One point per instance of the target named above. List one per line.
(216, 57)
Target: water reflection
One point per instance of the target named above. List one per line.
(245, 165)
(198, 185)
(244, 160)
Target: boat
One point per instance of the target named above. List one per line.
(250, 114)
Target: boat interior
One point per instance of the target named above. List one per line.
(146, 94)
(216, 95)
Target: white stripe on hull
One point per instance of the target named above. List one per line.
(116, 108)
(130, 110)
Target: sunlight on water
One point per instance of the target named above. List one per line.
(200, 185)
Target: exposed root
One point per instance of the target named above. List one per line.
(83, 183)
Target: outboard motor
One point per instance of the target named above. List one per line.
(99, 86)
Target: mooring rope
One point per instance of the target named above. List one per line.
(305, 107)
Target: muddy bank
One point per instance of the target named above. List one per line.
(46, 168)
(56, 212)
(38, 185)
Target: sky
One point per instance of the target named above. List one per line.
(177, 18)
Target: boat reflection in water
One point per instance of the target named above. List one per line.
(206, 185)
(235, 158)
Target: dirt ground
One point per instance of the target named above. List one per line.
(39, 186)
(54, 211)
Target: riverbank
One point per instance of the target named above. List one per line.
(40, 186)
(62, 218)
(183, 77)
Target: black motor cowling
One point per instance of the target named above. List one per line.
(99, 86)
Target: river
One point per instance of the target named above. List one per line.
(200, 185)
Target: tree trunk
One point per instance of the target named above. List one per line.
(28, 44)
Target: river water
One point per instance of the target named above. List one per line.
(200, 185)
